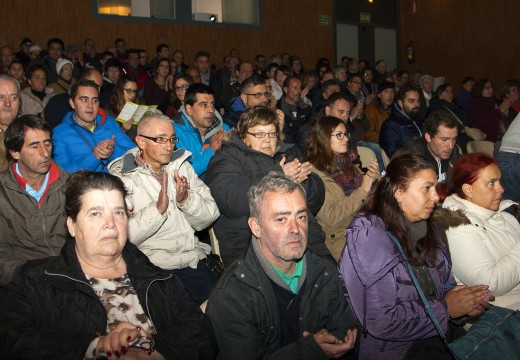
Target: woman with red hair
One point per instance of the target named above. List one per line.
(484, 239)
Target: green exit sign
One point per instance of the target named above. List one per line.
(324, 20)
(365, 17)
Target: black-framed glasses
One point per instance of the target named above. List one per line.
(130, 91)
(341, 135)
(162, 139)
(258, 95)
(183, 87)
(261, 134)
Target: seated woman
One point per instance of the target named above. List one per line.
(377, 282)
(125, 91)
(181, 83)
(484, 239)
(249, 154)
(157, 90)
(483, 111)
(101, 295)
(346, 188)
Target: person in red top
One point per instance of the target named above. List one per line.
(32, 198)
(133, 69)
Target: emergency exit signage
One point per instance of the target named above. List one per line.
(365, 17)
(324, 20)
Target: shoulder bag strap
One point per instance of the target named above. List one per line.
(427, 306)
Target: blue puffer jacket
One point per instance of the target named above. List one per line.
(73, 145)
(397, 130)
(191, 140)
(376, 279)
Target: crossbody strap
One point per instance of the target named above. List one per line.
(427, 306)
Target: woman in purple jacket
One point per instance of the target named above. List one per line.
(385, 301)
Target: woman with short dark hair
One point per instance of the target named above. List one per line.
(101, 296)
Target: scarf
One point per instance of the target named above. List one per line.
(346, 174)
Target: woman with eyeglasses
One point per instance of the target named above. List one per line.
(125, 91)
(181, 83)
(157, 90)
(100, 298)
(346, 188)
(250, 152)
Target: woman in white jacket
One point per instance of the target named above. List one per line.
(484, 239)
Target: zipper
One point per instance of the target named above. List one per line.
(146, 297)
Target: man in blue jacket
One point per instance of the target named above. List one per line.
(87, 137)
(200, 128)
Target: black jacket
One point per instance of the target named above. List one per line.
(231, 172)
(50, 311)
(396, 130)
(244, 312)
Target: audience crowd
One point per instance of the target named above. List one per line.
(246, 190)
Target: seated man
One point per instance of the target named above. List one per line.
(9, 109)
(253, 92)
(32, 197)
(282, 301)
(168, 203)
(438, 143)
(88, 138)
(199, 127)
(404, 121)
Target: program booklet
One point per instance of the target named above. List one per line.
(135, 112)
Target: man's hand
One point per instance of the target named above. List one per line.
(105, 148)
(333, 347)
(216, 140)
(162, 201)
(182, 186)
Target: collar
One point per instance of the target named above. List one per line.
(53, 175)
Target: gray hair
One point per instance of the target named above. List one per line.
(425, 77)
(274, 181)
(5, 77)
(147, 119)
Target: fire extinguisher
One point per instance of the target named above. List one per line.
(410, 52)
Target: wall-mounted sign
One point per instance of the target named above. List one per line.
(324, 20)
(365, 17)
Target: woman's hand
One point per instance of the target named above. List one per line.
(116, 342)
(504, 106)
(471, 301)
(370, 176)
(169, 85)
(127, 125)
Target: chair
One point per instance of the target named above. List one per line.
(386, 159)
(366, 155)
(483, 146)
(215, 249)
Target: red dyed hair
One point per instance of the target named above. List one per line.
(466, 170)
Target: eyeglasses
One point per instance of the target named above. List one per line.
(162, 139)
(164, 66)
(258, 95)
(183, 87)
(341, 136)
(130, 91)
(261, 134)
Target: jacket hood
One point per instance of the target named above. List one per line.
(374, 261)
(215, 127)
(127, 163)
(450, 218)
(238, 105)
(464, 212)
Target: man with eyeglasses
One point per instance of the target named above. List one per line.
(199, 127)
(88, 138)
(167, 204)
(253, 92)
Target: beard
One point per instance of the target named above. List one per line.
(413, 113)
